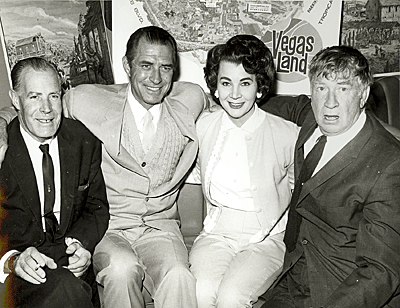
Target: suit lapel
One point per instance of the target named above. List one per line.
(69, 174)
(346, 156)
(21, 166)
(112, 126)
(305, 133)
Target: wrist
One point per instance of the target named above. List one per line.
(9, 264)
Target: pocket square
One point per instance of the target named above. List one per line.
(83, 187)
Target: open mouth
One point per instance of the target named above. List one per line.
(331, 117)
(236, 105)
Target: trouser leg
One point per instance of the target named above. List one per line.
(165, 260)
(118, 273)
(61, 289)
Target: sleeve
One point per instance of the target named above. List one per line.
(67, 101)
(291, 108)
(191, 95)
(377, 276)
(8, 113)
(3, 260)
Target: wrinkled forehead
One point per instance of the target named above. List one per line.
(343, 76)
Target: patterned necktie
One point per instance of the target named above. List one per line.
(51, 223)
(148, 131)
(294, 219)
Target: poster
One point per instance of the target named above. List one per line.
(293, 30)
(71, 34)
(373, 27)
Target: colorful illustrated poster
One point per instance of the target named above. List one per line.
(293, 30)
(71, 34)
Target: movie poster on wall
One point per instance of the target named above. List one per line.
(293, 30)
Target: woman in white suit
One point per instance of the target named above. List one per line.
(245, 166)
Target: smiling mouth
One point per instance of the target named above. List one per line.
(153, 89)
(236, 105)
(45, 121)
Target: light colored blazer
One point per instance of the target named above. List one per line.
(101, 108)
(271, 149)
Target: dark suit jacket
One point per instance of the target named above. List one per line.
(84, 207)
(350, 230)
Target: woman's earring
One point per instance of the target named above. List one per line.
(216, 94)
(258, 95)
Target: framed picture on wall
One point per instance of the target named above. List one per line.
(373, 27)
(71, 34)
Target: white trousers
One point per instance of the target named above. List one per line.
(128, 261)
(229, 271)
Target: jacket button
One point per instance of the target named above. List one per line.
(304, 242)
(143, 164)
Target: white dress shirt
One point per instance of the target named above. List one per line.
(230, 185)
(139, 112)
(36, 156)
(334, 143)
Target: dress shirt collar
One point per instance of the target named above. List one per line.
(334, 143)
(249, 126)
(139, 111)
(346, 136)
(32, 143)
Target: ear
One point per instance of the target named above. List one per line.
(126, 66)
(14, 99)
(364, 96)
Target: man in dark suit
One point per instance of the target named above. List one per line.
(54, 208)
(343, 232)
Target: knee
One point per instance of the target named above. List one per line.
(117, 267)
(232, 297)
(179, 272)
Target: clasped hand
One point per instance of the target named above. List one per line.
(30, 263)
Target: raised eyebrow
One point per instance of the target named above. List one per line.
(144, 62)
(225, 78)
(246, 79)
(345, 83)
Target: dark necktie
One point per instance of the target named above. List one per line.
(51, 223)
(294, 219)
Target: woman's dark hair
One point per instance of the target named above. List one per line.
(243, 49)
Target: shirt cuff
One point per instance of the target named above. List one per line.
(3, 276)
